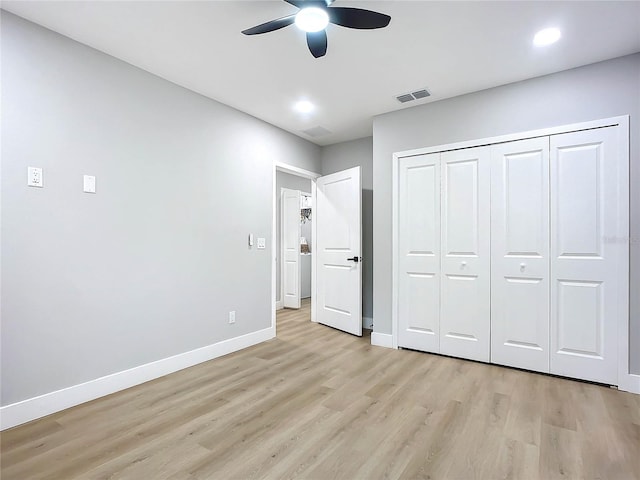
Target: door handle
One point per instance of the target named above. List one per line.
(354, 259)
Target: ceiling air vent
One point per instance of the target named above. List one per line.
(407, 97)
(417, 95)
(424, 93)
(316, 131)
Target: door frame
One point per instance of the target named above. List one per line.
(627, 381)
(300, 172)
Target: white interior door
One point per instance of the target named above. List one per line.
(290, 238)
(419, 253)
(586, 170)
(520, 254)
(465, 256)
(338, 247)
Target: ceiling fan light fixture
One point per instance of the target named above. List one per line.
(312, 19)
(546, 37)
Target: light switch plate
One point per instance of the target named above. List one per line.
(89, 184)
(34, 177)
(262, 243)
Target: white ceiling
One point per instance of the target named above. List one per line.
(450, 47)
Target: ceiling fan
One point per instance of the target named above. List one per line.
(314, 16)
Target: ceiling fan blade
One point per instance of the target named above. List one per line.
(317, 42)
(310, 3)
(357, 18)
(271, 25)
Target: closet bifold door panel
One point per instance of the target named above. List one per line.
(290, 239)
(586, 169)
(520, 254)
(419, 253)
(465, 253)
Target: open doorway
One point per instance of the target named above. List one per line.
(334, 249)
(295, 246)
(293, 240)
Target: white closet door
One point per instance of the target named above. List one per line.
(520, 254)
(419, 253)
(586, 170)
(290, 220)
(465, 255)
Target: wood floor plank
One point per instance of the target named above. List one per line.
(315, 403)
(560, 453)
(516, 460)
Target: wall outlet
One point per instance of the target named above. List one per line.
(34, 177)
(232, 317)
(262, 243)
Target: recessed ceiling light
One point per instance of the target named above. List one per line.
(546, 37)
(312, 19)
(304, 106)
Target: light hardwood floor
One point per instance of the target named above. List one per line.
(319, 404)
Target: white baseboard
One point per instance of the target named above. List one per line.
(367, 322)
(279, 305)
(36, 407)
(381, 339)
(629, 383)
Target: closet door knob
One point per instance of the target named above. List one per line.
(523, 266)
(463, 264)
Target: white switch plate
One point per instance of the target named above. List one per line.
(34, 177)
(232, 316)
(262, 243)
(89, 184)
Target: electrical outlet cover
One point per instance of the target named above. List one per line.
(34, 177)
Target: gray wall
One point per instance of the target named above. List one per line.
(150, 266)
(592, 92)
(293, 182)
(340, 157)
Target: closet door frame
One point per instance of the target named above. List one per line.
(626, 380)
